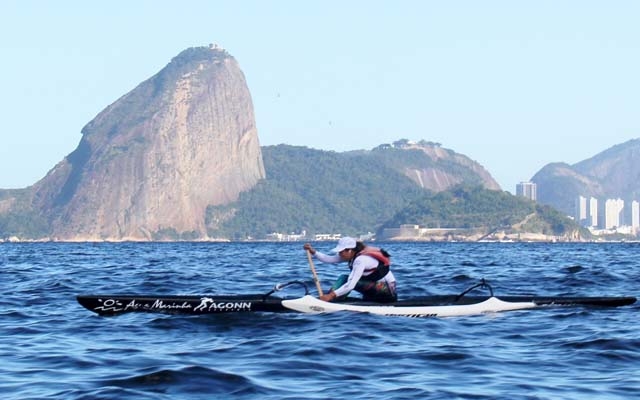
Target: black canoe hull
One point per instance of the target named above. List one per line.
(119, 304)
(197, 305)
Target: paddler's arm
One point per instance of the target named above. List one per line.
(325, 258)
(354, 277)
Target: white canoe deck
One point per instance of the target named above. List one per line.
(310, 304)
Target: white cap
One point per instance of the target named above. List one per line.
(345, 243)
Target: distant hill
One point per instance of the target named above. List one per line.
(318, 192)
(613, 173)
(483, 212)
(352, 192)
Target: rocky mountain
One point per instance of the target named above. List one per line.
(149, 165)
(434, 167)
(613, 173)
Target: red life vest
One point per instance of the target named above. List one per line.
(383, 262)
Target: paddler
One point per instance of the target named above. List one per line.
(370, 274)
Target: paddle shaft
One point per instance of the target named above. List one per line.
(313, 271)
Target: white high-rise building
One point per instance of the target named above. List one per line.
(581, 210)
(593, 211)
(527, 189)
(613, 213)
(586, 212)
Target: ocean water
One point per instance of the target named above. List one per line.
(52, 348)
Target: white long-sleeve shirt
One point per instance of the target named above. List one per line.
(362, 266)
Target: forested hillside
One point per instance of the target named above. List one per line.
(476, 207)
(316, 191)
(356, 192)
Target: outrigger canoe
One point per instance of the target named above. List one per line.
(425, 306)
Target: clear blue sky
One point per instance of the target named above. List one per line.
(513, 85)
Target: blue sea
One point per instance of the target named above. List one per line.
(52, 348)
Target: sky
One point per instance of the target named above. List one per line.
(513, 85)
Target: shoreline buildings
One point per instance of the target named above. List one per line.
(599, 216)
(608, 215)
